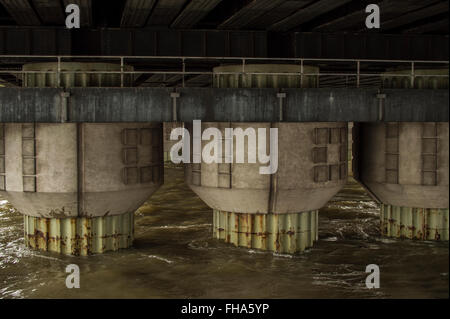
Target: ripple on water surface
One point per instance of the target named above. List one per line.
(175, 256)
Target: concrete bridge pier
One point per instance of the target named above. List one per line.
(79, 184)
(277, 212)
(405, 166)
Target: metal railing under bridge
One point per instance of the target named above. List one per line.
(184, 71)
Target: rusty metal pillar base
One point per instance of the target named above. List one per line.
(80, 236)
(414, 223)
(281, 233)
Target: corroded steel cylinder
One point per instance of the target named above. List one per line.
(282, 233)
(79, 235)
(405, 166)
(78, 184)
(246, 76)
(76, 74)
(276, 212)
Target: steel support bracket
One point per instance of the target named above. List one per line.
(381, 98)
(281, 96)
(64, 105)
(174, 96)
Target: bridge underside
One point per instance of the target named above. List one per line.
(82, 113)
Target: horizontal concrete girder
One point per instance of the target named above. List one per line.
(216, 104)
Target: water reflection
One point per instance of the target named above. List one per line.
(175, 256)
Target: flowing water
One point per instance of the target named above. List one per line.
(175, 256)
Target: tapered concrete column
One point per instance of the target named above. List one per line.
(168, 143)
(406, 167)
(78, 184)
(277, 212)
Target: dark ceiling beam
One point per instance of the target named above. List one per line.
(352, 14)
(165, 12)
(136, 12)
(141, 79)
(356, 18)
(194, 12)
(249, 13)
(435, 26)
(416, 15)
(285, 9)
(218, 43)
(85, 11)
(22, 12)
(5, 17)
(50, 11)
(307, 14)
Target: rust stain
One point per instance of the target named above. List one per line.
(437, 236)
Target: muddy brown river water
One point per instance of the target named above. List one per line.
(175, 256)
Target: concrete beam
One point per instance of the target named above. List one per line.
(355, 19)
(415, 15)
(280, 12)
(165, 12)
(50, 11)
(439, 25)
(307, 14)
(136, 12)
(249, 13)
(195, 11)
(21, 11)
(215, 43)
(353, 15)
(213, 104)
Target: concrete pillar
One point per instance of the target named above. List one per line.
(167, 128)
(276, 212)
(78, 184)
(406, 167)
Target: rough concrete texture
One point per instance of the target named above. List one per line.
(82, 169)
(167, 128)
(106, 105)
(276, 212)
(409, 166)
(78, 185)
(406, 167)
(312, 168)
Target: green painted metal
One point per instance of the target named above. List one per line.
(80, 236)
(417, 79)
(281, 233)
(414, 223)
(76, 74)
(297, 77)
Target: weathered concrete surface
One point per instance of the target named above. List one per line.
(78, 184)
(406, 164)
(222, 104)
(312, 168)
(30, 105)
(81, 170)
